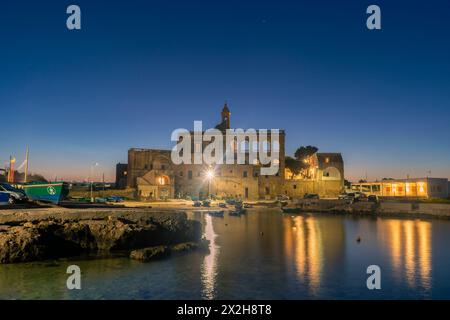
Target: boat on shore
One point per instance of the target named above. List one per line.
(52, 192)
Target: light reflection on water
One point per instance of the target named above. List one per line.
(410, 248)
(209, 265)
(263, 255)
(303, 240)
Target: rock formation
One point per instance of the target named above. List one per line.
(29, 237)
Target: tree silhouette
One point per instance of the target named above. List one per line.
(303, 153)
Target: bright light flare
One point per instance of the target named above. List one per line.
(210, 174)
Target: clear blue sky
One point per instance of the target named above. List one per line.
(139, 69)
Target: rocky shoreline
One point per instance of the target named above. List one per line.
(27, 236)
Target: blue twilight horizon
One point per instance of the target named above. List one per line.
(137, 70)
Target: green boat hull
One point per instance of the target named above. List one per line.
(52, 192)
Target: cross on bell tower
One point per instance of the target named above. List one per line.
(226, 115)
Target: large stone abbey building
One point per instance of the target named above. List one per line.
(154, 176)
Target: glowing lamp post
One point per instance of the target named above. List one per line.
(209, 176)
(92, 182)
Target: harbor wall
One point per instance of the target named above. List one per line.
(440, 210)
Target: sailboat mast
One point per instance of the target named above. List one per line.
(26, 166)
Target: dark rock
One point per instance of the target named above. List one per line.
(185, 246)
(64, 236)
(151, 253)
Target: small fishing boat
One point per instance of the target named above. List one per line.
(206, 203)
(216, 213)
(291, 209)
(197, 204)
(4, 198)
(115, 199)
(52, 192)
(238, 212)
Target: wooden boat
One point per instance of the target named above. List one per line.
(197, 204)
(237, 212)
(216, 213)
(47, 192)
(206, 203)
(291, 209)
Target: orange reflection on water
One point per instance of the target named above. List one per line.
(396, 246)
(424, 230)
(409, 243)
(408, 228)
(303, 239)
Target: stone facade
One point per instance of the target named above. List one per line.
(326, 177)
(154, 175)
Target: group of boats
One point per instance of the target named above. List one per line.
(233, 213)
(239, 209)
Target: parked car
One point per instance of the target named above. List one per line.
(343, 196)
(15, 195)
(282, 197)
(4, 198)
(361, 197)
(311, 196)
(353, 196)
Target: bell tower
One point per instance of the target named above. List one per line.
(226, 115)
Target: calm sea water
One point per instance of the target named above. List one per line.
(264, 255)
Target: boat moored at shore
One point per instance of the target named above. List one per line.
(52, 192)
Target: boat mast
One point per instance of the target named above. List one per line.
(26, 166)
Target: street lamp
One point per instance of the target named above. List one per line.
(210, 175)
(91, 172)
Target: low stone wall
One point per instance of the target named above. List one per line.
(432, 209)
(439, 210)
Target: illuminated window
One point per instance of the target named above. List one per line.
(327, 160)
